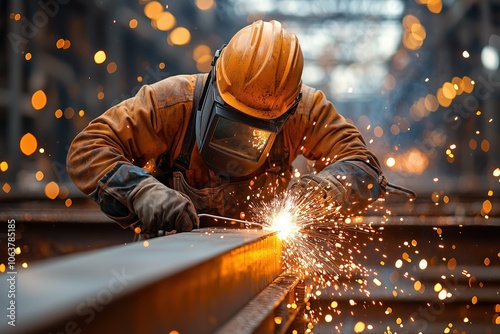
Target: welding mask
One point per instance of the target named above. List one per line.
(250, 93)
(230, 141)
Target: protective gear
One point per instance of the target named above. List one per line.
(153, 124)
(322, 187)
(250, 93)
(259, 72)
(232, 143)
(233, 198)
(348, 186)
(161, 209)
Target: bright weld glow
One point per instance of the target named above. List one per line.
(321, 245)
(284, 224)
(317, 242)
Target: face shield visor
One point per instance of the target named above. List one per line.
(230, 142)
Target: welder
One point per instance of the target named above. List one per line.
(209, 142)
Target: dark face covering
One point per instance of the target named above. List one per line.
(231, 142)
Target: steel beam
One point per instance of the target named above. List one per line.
(274, 310)
(15, 74)
(190, 283)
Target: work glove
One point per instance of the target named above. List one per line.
(161, 210)
(350, 184)
(319, 192)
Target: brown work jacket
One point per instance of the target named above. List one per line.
(152, 125)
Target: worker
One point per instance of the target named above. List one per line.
(210, 142)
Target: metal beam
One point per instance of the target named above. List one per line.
(15, 94)
(274, 310)
(448, 21)
(311, 10)
(190, 283)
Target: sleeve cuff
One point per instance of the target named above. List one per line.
(113, 190)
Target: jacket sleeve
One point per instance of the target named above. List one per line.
(105, 158)
(337, 148)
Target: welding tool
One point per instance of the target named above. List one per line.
(161, 233)
(246, 222)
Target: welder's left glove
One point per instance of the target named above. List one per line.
(319, 189)
(351, 185)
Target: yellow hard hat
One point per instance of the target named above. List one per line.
(259, 71)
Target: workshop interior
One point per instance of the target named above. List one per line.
(418, 78)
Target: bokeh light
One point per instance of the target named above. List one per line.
(164, 21)
(179, 36)
(153, 9)
(100, 57)
(28, 144)
(52, 190)
(38, 100)
(111, 67)
(133, 23)
(204, 4)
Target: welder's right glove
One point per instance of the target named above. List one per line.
(161, 209)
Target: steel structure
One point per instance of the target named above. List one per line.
(355, 52)
(223, 280)
(190, 283)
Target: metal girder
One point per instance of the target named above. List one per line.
(272, 311)
(189, 282)
(459, 286)
(449, 20)
(322, 9)
(15, 73)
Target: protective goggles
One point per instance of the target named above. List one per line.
(231, 142)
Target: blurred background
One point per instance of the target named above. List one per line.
(419, 78)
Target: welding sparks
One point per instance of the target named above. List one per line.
(317, 243)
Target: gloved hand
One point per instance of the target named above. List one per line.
(161, 209)
(319, 190)
(352, 184)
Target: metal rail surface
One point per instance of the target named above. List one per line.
(189, 282)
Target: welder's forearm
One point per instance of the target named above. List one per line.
(362, 183)
(130, 132)
(129, 194)
(98, 167)
(113, 192)
(84, 164)
(89, 158)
